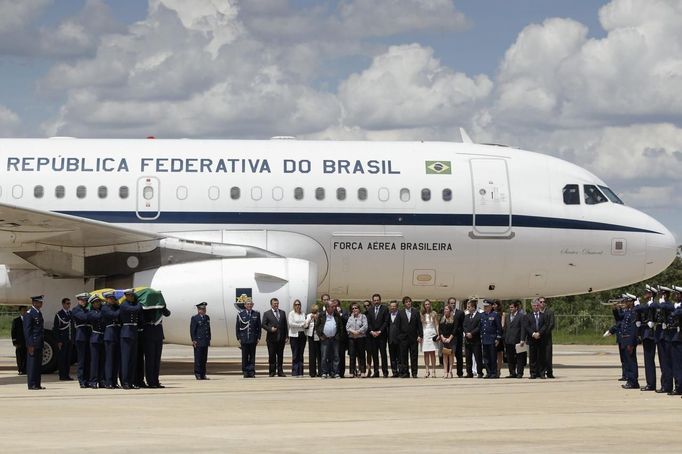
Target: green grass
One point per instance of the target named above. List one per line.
(6, 325)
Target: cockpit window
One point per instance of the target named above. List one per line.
(611, 195)
(571, 194)
(593, 195)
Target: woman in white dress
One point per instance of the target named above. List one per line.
(430, 323)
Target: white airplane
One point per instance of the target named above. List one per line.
(211, 221)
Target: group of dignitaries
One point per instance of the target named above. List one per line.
(654, 322)
(378, 336)
(117, 345)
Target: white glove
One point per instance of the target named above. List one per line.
(607, 333)
(677, 305)
(637, 302)
(650, 324)
(664, 326)
(638, 324)
(661, 300)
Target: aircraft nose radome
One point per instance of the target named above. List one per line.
(661, 250)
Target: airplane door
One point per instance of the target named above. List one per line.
(491, 199)
(148, 198)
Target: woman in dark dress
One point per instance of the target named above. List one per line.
(447, 335)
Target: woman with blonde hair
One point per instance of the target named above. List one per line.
(430, 323)
(297, 338)
(447, 336)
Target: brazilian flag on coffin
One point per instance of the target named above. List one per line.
(147, 297)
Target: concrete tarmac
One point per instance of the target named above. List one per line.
(583, 410)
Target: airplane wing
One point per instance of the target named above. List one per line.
(68, 246)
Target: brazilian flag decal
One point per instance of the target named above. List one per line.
(438, 167)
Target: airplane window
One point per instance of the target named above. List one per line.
(256, 193)
(81, 192)
(123, 192)
(426, 194)
(611, 195)
(405, 195)
(38, 192)
(319, 193)
(181, 192)
(59, 192)
(102, 192)
(362, 193)
(277, 193)
(214, 193)
(234, 193)
(148, 192)
(571, 194)
(298, 193)
(341, 193)
(383, 194)
(447, 194)
(593, 195)
(17, 191)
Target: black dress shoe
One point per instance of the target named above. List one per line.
(272, 374)
(94, 385)
(622, 379)
(469, 375)
(110, 387)
(198, 377)
(532, 377)
(126, 386)
(511, 376)
(141, 385)
(662, 391)
(205, 378)
(35, 388)
(281, 375)
(648, 388)
(519, 376)
(550, 376)
(83, 385)
(629, 386)
(674, 393)
(66, 379)
(134, 386)
(157, 386)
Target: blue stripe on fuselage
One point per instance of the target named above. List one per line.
(292, 218)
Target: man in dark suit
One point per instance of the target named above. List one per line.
(515, 333)
(62, 328)
(33, 332)
(394, 339)
(411, 333)
(275, 324)
(472, 339)
(248, 334)
(200, 333)
(19, 341)
(458, 341)
(551, 324)
(377, 327)
(536, 330)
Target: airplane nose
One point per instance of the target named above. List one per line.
(661, 250)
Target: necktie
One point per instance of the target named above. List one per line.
(537, 321)
(276, 315)
(376, 311)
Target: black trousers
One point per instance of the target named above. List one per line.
(34, 364)
(490, 359)
(83, 370)
(538, 356)
(377, 345)
(20, 352)
(665, 358)
(473, 350)
(276, 356)
(457, 343)
(152, 361)
(649, 352)
(96, 363)
(200, 359)
(128, 360)
(139, 368)
(112, 361)
(409, 349)
(394, 352)
(343, 348)
(356, 348)
(297, 350)
(631, 369)
(248, 360)
(548, 353)
(515, 361)
(64, 359)
(314, 357)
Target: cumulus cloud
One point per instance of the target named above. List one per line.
(9, 122)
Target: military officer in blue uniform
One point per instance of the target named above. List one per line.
(97, 325)
(112, 340)
(669, 328)
(675, 325)
(491, 336)
(79, 315)
(248, 331)
(153, 344)
(645, 323)
(62, 329)
(200, 333)
(662, 310)
(618, 318)
(130, 315)
(627, 341)
(33, 332)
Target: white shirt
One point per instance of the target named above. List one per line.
(296, 323)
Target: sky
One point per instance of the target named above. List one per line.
(597, 83)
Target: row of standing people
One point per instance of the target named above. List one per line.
(384, 333)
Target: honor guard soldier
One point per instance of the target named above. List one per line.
(97, 325)
(675, 324)
(645, 320)
(79, 314)
(130, 314)
(63, 332)
(153, 344)
(33, 332)
(491, 336)
(200, 332)
(627, 341)
(112, 340)
(663, 310)
(19, 341)
(670, 333)
(248, 331)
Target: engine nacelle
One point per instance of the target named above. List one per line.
(220, 282)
